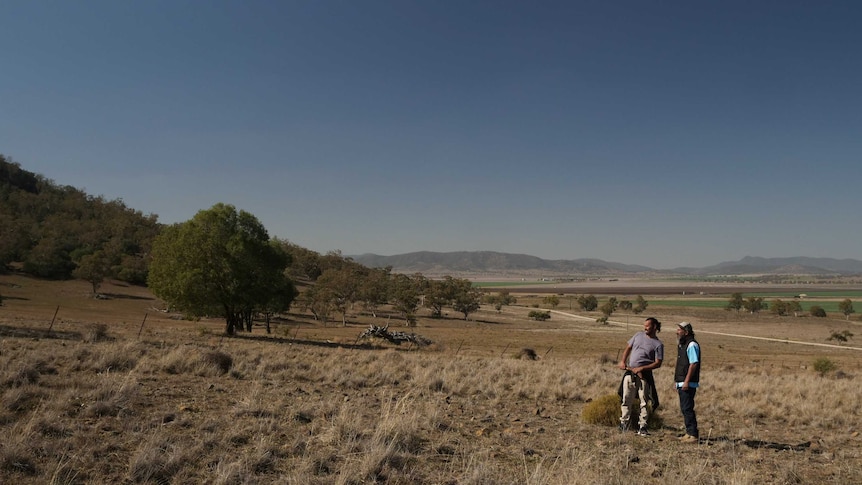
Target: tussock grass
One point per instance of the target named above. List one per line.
(315, 415)
(180, 406)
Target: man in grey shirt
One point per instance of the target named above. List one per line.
(642, 355)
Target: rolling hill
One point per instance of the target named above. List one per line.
(496, 263)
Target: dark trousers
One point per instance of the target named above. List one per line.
(686, 405)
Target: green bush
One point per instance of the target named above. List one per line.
(817, 311)
(539, 315)
(824, 366)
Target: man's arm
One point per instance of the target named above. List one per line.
(626, 352)
(691, 368)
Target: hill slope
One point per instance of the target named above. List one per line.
(490, 262)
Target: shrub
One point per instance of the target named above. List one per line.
(823, 366)
(219, 360)
(527, 353)
(539, 316)
(97, 333)
(840, 336)
(603, 411)
(606, 411)
(817, 311)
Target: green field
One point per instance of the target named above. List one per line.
(828, 305)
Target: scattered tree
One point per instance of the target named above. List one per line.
(735, 303)
(640, 305)
(753, 304)
(607, 309)
(93, 268)
(588, 303)
(500, 299)
(467, 299)
(551, 300)
(375, 288)
(846, 307)
(778, 307)
(440, 293)
(343, 284)
(795, 307)
(405, 295)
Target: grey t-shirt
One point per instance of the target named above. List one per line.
(645, 350)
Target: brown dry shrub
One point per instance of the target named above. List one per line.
(115, 360)
(15, 459)
(220, 360)
(98, 332)
(26, 374)
(528, 354)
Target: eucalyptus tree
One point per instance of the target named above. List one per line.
(375, 289)
(440, 293)
(588, 303)
(220, 262)
(640, 305)
(735, 302)
(467, 298)
(406, 295)
(344, 283)
(846, 307)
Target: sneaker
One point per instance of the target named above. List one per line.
(643, 431)
(689, 439)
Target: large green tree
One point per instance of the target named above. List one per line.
(220, 262)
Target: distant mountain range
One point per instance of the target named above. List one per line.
(494, 263)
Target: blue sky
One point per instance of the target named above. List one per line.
(658, 133)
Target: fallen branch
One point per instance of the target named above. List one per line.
(396, 338)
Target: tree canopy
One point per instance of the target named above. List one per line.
(221, 262)
(51, 230)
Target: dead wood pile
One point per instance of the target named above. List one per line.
(396, 338)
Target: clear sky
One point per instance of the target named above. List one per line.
(644, 132)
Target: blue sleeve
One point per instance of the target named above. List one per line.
(693, 352)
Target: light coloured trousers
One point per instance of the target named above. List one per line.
(634, 388)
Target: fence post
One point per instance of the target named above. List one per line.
(52, 320)
(142, 325)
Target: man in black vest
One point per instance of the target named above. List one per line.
(687, 378)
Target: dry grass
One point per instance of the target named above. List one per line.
(310, 405)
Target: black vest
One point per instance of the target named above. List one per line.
(682, 362)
